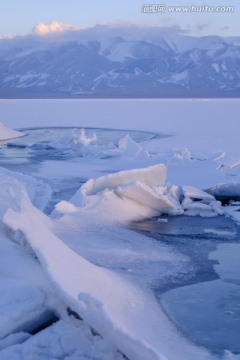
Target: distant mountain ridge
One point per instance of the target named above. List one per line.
(122, 68)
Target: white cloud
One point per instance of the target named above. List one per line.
(42, 29)
(6, 36)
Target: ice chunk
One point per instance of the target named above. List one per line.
(140, 193)
(198, 202)
(7, 133)
(197, 206)
(149, 197)
(204, 210)
(86, 140)
(175, 192)
(151, 176)
(132, 194)
(66, 207)
(202, 213)
(186, 202)
(194, 193)
(129, 147)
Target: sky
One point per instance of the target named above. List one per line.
(19, 17)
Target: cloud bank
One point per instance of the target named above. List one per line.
(54, 27)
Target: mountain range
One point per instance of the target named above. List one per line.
(121, 67)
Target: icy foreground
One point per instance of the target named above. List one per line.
(124, 314)
(6, 133)
(203, 153)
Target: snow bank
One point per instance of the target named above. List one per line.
(7, 134)
(142, 193)
(128, 317)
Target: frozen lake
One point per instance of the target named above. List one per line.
(187, 282)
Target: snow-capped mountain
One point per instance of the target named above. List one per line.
(122, 67)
